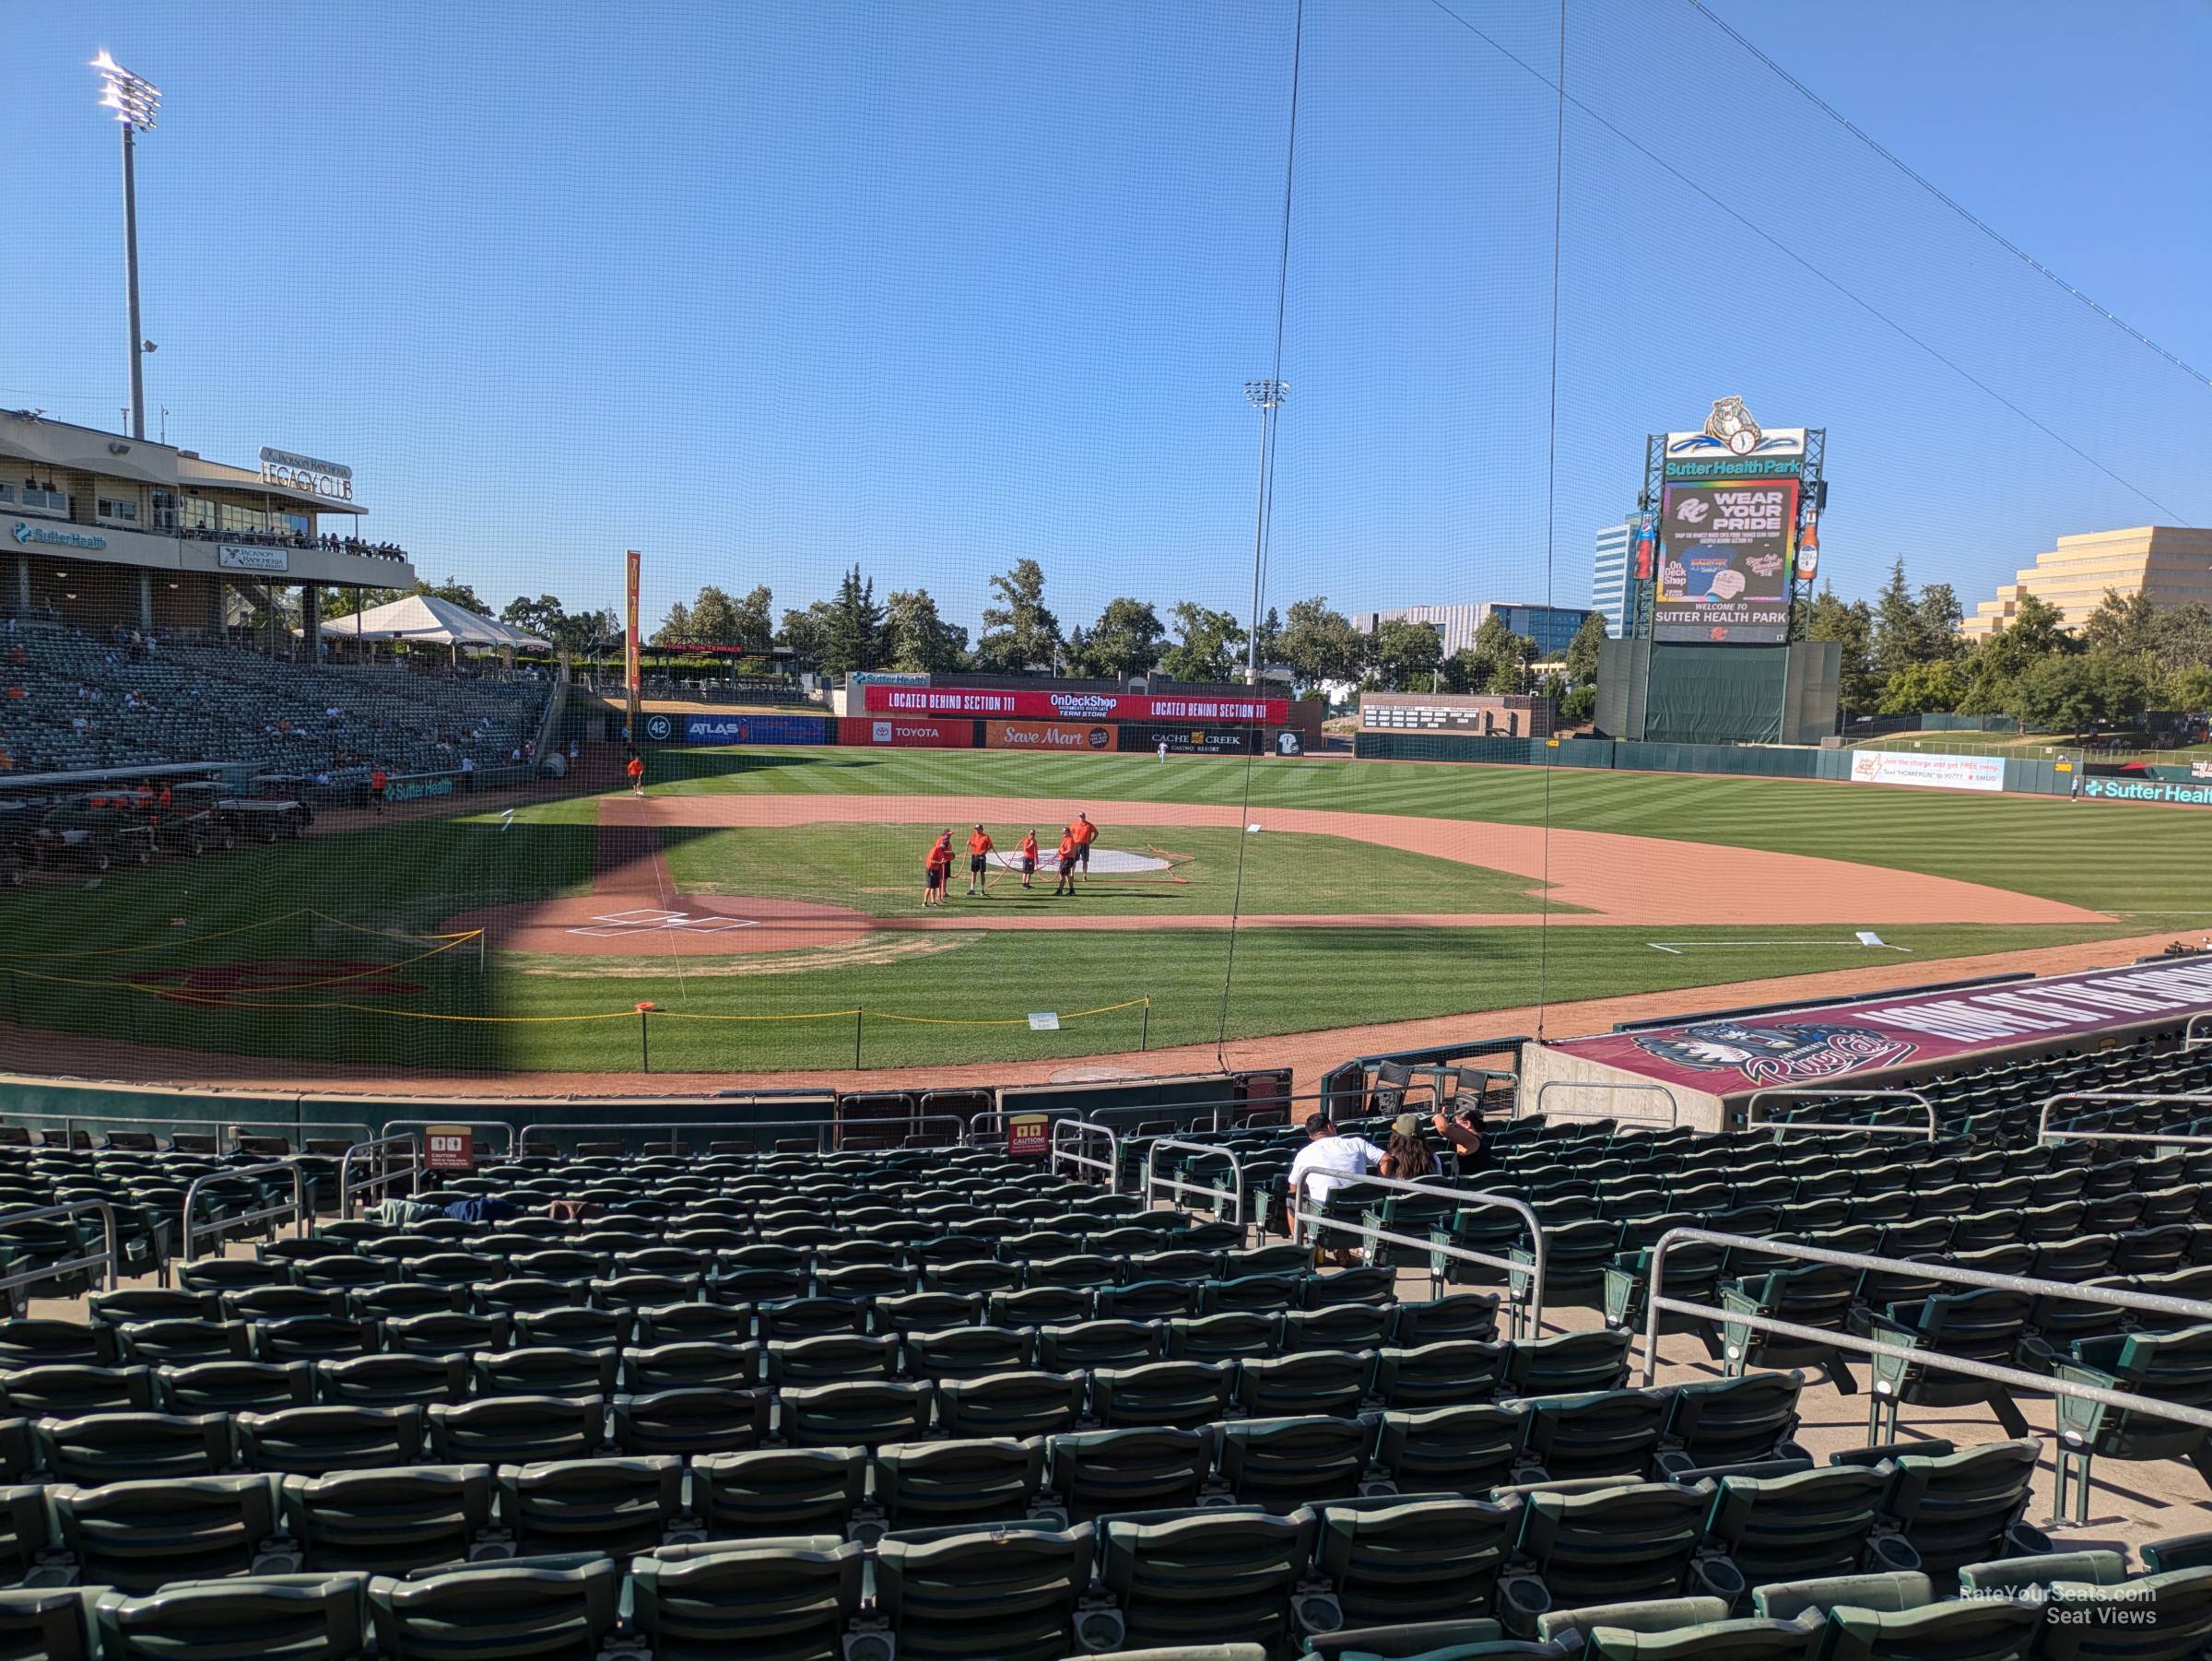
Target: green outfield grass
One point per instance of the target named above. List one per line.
(111, 957)
(876, 868)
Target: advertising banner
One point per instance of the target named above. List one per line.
(1048, 735)
(1195, 740)
(2171, 793)
(906, 732)
(752, 729)
(1045, 705)
(1725, 560)
(1931, 772)
(1780, 1049)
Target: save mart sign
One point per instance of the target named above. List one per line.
(2147, 790)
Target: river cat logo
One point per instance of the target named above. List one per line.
(1776, 1055)
(1731, 424)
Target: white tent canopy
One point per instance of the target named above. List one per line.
(428, 618)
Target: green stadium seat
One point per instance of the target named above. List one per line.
(968, 1352)
(1464, 1450)
(131, 1447)
(1808, 1525)
(1964, 1507)
(1008, 1594)
(1984, 1325)
(1601, 1434)
(317, 1441)
(554, 1606)
(775, 1491)
(1088, 1345)
(1101, 1473)
(620, 1506)
(393, 1381)
(1011, 1404)
(1620, 1541)
(279, 1616)
(1316, 1382)
(1732, 1422)
(1178, 1394)
(1414, 1558)
(1222, 1337)
(790, 1599)
(1450, 1374)
(66, 1390)
(703, 1419)
(939, 1484)
(389, 1521)
(234, 1387)
(137, 1537)
(1217, 1577)
(2173, 1367)
(1571, 1364)
(515, 1429)
(1281, 1463)
(867, 1413)
(545, 1371)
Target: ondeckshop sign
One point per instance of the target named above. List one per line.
(1045, 705)
(1833, 1042)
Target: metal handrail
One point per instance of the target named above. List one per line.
(825, 1130)
(1674, 1104)
(2190, 1041)
(393, 1126)
(223, 1130)
(1800, 1094)
(1084, 1128)
(377, 1179)
(989, 1125)
(1234, 1195)
(2044, 1133)
(297, 1210)
(107, 1256)
(1464, 1199)
(2151, 1303)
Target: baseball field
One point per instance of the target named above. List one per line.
(767, 905)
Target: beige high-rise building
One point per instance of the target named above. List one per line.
(2166, 562)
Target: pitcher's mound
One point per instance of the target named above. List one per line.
(627, 926)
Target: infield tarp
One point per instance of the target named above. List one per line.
(1904, 1035)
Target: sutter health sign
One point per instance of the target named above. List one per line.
(2147, 790)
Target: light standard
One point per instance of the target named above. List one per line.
(135, 102)
(1267, 396)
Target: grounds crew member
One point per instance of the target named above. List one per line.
(378, 779)
(979, 861)
(1068, 861)
(636, 769)
(935, 865)
(1086, 833)
(1028, 858)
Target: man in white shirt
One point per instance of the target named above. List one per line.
(1328, 1161)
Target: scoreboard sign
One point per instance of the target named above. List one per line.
(449, 1147)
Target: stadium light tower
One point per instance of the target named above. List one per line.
(135, 102)
(1267, 396)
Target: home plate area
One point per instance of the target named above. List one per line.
(685, 924)
(647, 919)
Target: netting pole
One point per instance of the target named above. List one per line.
(644, 1037)
(1144, 1033)
(858, 1014)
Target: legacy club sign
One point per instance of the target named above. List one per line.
(333, 480)
(1073, 706)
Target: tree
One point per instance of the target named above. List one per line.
(1583, 649)
(806, 633)
(1269, 640)
(1126, 639)
(453, 591)
(713, 619)
(676, 626)
(2183, 639)
(1210, 647)
(1940, 615)
(1497, 661)
(849, 636)
(2123, 625)
(2062, 694)
(1917, 687)
(1320, 644)
(1851, 625)
(915, 639)
(750, 624)
(1020, 633)
(1895, 644)
(1405, 657)
(342, 602)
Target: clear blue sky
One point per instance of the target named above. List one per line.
(767, 289)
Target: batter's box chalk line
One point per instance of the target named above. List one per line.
(1866, 940)
(650, 919)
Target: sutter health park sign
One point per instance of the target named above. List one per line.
(2147, 790)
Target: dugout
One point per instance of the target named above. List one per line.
(1668, 693)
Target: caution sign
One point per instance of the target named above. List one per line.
(1029, 1136)
(449, 1147)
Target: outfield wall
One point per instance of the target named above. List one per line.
(2021, 776)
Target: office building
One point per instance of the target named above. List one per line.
(1609, 575)
(2166, 562)
(1551, 627)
